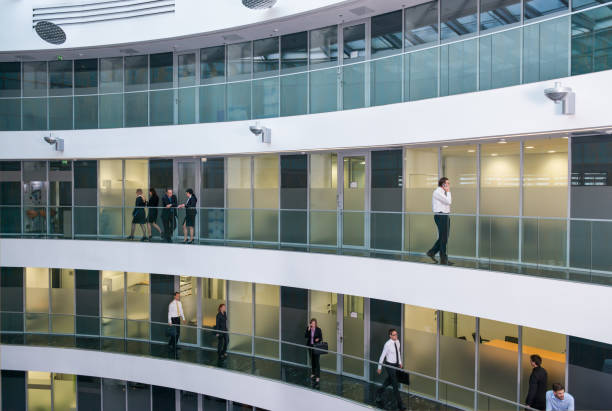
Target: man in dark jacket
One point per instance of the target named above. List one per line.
(536, 397)
(168, 215)
(221, 325)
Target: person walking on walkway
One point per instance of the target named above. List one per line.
(152, 205)
(441, 202)
(391, 356)
(221, 326)
(139, 216)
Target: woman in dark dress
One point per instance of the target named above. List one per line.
(139, 216)
(314, 335)
(152, 217)
(190, 215)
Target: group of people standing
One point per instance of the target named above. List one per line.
(145, 215)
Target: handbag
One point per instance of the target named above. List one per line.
(320, 348)
(403, 377)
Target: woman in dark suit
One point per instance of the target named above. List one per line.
(314, 335)
(190, 215)
(139, 216)
(152, 217)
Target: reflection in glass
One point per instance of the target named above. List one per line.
(34, 113)
(34, 79)
(35, 196)
(113, 303)
(457, 356)
(265, 57)
(354, 43)
(500, 60)
(265, 97)
(64, 392)
(86, 76)
(386, 81)
(353, 334)
(212, 64)
(323, 47)
(323, 196)
(239, 101)
(10, 79)
(111, 75)
(458, 62)
(239, 61)
(590, 34)
(60, 78)
(539, 8)
(10, 195)
(85, 197)
(457, 18)
(546, 50)
(161, 70)
(323, 91)
(294, 94)
(353, 216)
(386, 204)
(239, 198)
(136, 73)
(212, 103)
(494, 13)
(421, 74)
(294, 52)
(386, 35)
(60, 113)
(113, 395)
(421, 24)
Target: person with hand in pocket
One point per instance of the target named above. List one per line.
(313, 336)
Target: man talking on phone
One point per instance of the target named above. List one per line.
(441, 202)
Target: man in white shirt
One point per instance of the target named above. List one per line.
(441, 202)
(391, 355)
(175, 313)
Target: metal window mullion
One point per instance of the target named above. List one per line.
(50, 296)
(252, 164)
(280, 323)
(403, 66)
(177, 399)
(439, 48)
(521, 187)
(73, 98)
(519, 370)
(51, 390)
(123, 198)
(367, 65)
(403, 188)
(253, 308)
(438, 333)
(148, 90)
(100, 313)
(366, 337)
(367, 206)
(476, 359)
(72, 205)
(199, 310)
(280, 205)
(521, 49)
(477, 40)
(125, 304)
(568, 213)
(47, 199)
(308, 168)
(567, 353)
(478, 185)
(340, 334)
(48, 94)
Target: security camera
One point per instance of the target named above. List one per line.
(56, 141)
(264, 132)
(564, 95)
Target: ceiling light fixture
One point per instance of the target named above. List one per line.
(529, 147)
(564, 95)
(551, 151)
(264, 132)
(55, 141)
(471, 151)
(494, 155)
(502, 141)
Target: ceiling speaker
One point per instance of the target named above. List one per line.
(258, 4)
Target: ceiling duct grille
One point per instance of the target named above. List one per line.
(94, 12)
(259, 4)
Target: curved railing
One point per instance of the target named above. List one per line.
(555, 47)
(264, 357)
(571, 249)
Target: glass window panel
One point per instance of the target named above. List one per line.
(384, 315)
(500, 60)
(213, 182)
(35, 79)
(62, 300)
(265, 57)
(499, 178)
(294, 312)
(294, 94)
(421, 74)
(139, 396)
(354, 43)
(294, 198)
(11, 289)
(420, 330)
(10, 79)
(110, 188)
(113, 395)
(85, 197)
(89, 394)
(590, 40)
(548, 345)
(495, 13)
(265, 98)
(111, 75)
(239, 197)
(34, 113)
(581, 4)
(136, 73)
(386, 203)
(212, 64)
(386, 34)
(212, 103)
(86, 76)
(239, 101)
(162, 293)
(188, 287)
(386, 81)
(457, 355)
(35, 188)
(239, 61)
(136, 109)
(161, 108)
(545, 50)
(10, 195)
(15, 383)
(60, 78)
(421, 24)
(353, 86)
(458, 65)
(37, 299)
(457, 18)
(87, 302)
(111, 111)
(213, 294)
(240, 315)
(60, 197)
(213, 403)
(10, 114)
(60, 113)
(267, 312)
(323, 90)
(539, 8)
(323, 47)
(294, 52)
(266, 197)
(136, 177)
(64, 392)
(186, 70)
(498, 358)
(324, 307)
(113, 303)
(137, 304)
(323, 193)
(39, 390)
(421, 166)
(161, 69)
(85, 112)
(189, 401)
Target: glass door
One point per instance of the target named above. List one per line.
(353, 335)
(187, 176)
(186, 80)
(353, 199)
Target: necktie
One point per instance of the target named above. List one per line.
(396, 354)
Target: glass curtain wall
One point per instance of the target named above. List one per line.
(190, 294)
(323, 53)
(239, 200)
(214, 293)
(386, 204)
(294, 198)
(240, 315)
(35, 189)
(212, 95)
(87, 302)
(500, 171)
(110, 191)
(111, 82)
(186, 64)
(384, 315)
(420, 340)
(294, 321)
(212, 217)
(136, 176)
(11, 299)
(267, 319)
(294, 87)
(85, 197)
(37, 299)
(386, 74)
(34, 109)
(324, 307)
(137, 305)
(161, 101)
(421, 174)
(136, 99)
(265, 197)
(113, 304)
(62, 300)
(85, 90)
(60, 198)
(353, 334)
(10, 86)
(10, 197)
(323, 194)
(60, 84)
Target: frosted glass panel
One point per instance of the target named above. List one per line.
(62, 300)
(420, 329)
(323, 181)
(420, 232)
(459, 166)
(499, 238)
(213, 294)
(499, 178)
(324, 90)
(386, 81)
(239, 182)
(136, 177)
(353, 338)
(266, 175)
(421, 165)
(64, 392)
(39, 391)
(137, 297)
(113, 303)
(267, 312)
(457, 349)
(458, 68)
(189, 299)
(353, 86)
(421, 74)
(353, 217)
(240, 315)
(37, 299)
(498, 360)
(551, 347)
(500, 60)
(324, 307)
(546, 50)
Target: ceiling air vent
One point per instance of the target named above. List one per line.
(361, 11)
(49, 32)
(258, 4)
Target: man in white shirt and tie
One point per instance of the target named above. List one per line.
(391, 355)
(175, 313)
(441, 201)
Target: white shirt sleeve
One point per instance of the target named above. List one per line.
(169, 315)
(399, 354)
(182, 314)
(444, 199)
(383, 355)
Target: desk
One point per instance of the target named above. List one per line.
(545, 354)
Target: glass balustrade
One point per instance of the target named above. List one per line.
(571, 249)
(542, 49)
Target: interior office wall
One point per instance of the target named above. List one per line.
(512, 110)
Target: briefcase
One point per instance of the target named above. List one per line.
(403, 377)
(320, 348)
